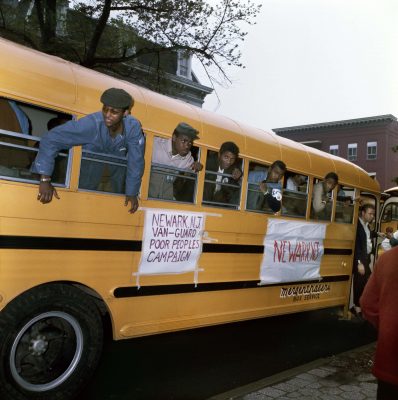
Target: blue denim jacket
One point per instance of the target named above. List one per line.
(92, 133)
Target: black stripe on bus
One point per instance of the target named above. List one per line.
(232, 248)
(134, 291)
(257, 249)
(340, 252)
(52, 243)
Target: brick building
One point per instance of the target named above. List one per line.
(368, 142)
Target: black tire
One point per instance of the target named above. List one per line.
(51, 339)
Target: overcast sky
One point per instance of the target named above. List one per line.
(310, 61)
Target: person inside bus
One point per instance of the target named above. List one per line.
(60, 162)
(222, 185)
(13, 119)
(257, 173)
(386, 244)
(322, 194)
(294, 182)
(294, 198)
(271, 187)
(112, 131)
(176, 153)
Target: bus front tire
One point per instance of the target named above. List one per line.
(51, 340)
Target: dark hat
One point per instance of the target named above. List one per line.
(117, 98)
(185, 129)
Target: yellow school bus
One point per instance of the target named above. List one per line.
(179, 262)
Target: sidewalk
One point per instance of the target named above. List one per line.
(343, 376)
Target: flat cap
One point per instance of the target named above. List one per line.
(117, 98)
(185, 129)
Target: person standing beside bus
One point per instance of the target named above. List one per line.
(322, 191)
(363, 250)
(110, 131)
(378, 305)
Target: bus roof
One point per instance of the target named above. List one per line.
(52, 82)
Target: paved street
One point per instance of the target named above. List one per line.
(346, 376)
(201, 363)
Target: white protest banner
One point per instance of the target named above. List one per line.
(292, 251)
(172, 241)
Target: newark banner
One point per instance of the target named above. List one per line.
(292, 251)
(172, 242)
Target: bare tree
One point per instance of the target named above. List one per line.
(212, 33)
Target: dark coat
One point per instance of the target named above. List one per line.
(360, 253)
(379, 306)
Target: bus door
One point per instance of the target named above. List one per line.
(388, 221)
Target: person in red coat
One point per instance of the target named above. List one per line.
(379, 305)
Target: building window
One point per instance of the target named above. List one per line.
(334, 149)
(184, 67)
(372, 151)
(352, 151)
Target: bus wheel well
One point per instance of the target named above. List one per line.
(94, 296)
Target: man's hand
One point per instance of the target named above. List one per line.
(46, 192)
(236, 174)
(134, 203)
(196, 166)
(361, 269)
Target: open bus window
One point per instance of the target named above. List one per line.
(345, 205)
(295, 195)
(254, 200)
(21, 126)
(103, 172)
(171, 176)
(266, 197)
(222, 186)
(322, 202)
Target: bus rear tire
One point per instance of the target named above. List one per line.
(51, 339)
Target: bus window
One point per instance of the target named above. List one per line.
(322, 202)
(174, 180)
(389, 216)
(222, 185)
(103, 172)
(387, 213)
(345, 205)
(18, 147)
(254, 201)
(295, 195)
(264, 191)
